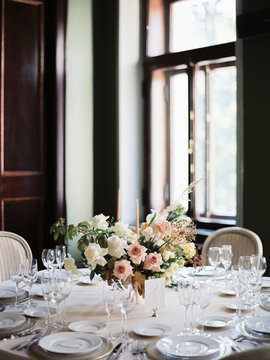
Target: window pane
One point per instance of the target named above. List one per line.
(200, 23)
(155, 28)
(223, 141)
(200, 138)
(158, 140)
(178, 135)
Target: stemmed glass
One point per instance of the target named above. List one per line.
(258, 264)
(44, 258)
(60, 254)
(109, 302)
(214, 259)
(240, 287)
(65, 288)
(226, 260)
(204, 301)
(16, 275)
(46, 286)
(56, 295)
(184, 291)
(51, 259)
(255, 282)
(30, 277)
(195, 298)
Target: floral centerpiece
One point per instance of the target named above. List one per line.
(113, 251)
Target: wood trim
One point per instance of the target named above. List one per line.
(30, 2)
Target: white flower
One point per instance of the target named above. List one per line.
(69, 264)
(159, 242)
(149, 217)
(99, 222)
(167, 276)
(174, 269)
(133, 238)
(116, 246)
(166, 255)
(121, 229)
(95, 255)
(148, 232)
(189, 249)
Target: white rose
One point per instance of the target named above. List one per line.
(95, 255)
(189, 249)
(159, 242)
(167, 276)
(166, 255)
(149, 217)
(174, 269)
(132, 239)
(99, 222)
(148, 232)
(121, 229)
(116, 246)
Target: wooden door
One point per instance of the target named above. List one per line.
(27, 129)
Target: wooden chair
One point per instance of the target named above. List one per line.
(13, 249)
(243, 241)
(261, 353)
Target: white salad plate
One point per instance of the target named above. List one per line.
(75, 343)
(235, 306)
(189, 346)
(265, 303)
(259, 324)
(39, 312)
(10, 321)
(89, 326)
(152, 329)
(227, 291)
(214, 321)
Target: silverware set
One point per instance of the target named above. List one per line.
(139, 349)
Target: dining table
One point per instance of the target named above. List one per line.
(86, 303)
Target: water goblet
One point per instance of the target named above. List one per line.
(66, 288)
(255, 282)
(194, 301)
(44, 258)
(60, 254)
(240, 287)
(109, 302)
(51, 259)
(47, 288)
(30, 277)
(226, 260)
(204, 301)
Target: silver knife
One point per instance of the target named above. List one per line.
(116, 351)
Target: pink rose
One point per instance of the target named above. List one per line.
(137, 253)
(162, 228)
(122, 269)
(153, 262)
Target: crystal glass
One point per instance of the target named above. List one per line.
(109, 302)
(56, 296)
(255, 282)
(51, 259)
(16, 274)
(214, 259)
(185, 292)
(47, 289)
(240, 287)
(259, 264)
(44, 258)
(226, 259)
(60, 254)
(196, 293)
(204, 301)
(30, 277)
(65, 288)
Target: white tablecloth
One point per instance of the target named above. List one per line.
(85, 302)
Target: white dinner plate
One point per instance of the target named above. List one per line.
(39, 312)
(152, 329)
(89, 326)
(189, 346)
(210, 271)
(243, 330)
(9, 292)
(76, 343)
(10, 321)
(235, 306)
(214, 321)
(260, 324)
(86, 280)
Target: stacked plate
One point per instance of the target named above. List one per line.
(257, 327)
(8, 294)
(12, 323)
(73, 345)
(188, 347)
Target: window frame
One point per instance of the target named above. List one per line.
(169, 60)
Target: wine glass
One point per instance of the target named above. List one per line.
(259, 264)
(255, 282)
(30, 277)
(214, 259)
(240, 287)
(51, 259)
(226, 259)
(65, 288)
(60, 254)
(44, 258)
(184, 291)
(245, 266)
(46, 286)
(56, 296)
(16, 274)
(204, 301)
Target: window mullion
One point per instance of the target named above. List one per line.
(208, 143)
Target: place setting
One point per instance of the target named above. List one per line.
(257, 328)
(14, 324)
(71, 345)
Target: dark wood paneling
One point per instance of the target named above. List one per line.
(22, 82)
(30, 213)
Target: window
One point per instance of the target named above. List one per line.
(190, 105)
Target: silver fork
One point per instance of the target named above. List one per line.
(139, 349)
